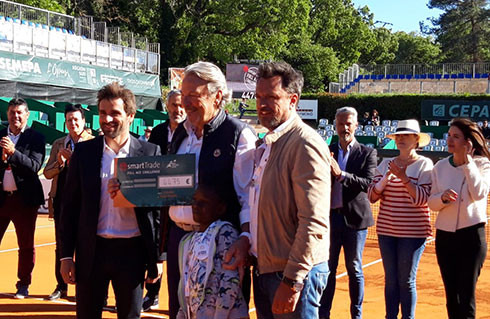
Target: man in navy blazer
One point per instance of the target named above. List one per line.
(350, 215)
(99, 242)
(21, 193)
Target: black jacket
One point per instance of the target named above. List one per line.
(360, 170)
(159, 136)
(26, 162)
(81, 206)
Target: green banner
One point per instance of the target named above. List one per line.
(155, 181)
(31, 69)
(449, 109)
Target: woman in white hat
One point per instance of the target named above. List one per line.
(460, 187)
(402, 184)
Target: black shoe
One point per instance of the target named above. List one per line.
(22, 292)
(150, 303)
(57, 294)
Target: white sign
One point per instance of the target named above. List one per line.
(308, 109)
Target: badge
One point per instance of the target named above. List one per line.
(202, 251)
(217, 152)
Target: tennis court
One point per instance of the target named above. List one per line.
(431, 300)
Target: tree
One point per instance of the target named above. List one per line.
(51, 5)
(413, 49)
(463, 30)
(383, 49)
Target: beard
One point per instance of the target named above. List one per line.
(112, 130)
(270, 122)
(346, 137)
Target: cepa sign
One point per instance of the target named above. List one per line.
(449, 109)
(307, 109)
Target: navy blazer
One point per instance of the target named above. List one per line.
(81, 206)
(360, 170)
(26, 163)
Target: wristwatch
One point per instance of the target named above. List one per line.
(296, 286)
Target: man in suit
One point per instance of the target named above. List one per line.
(109, 243)
(352, 171)
(162, 135)
(23, 152)
(56, 169)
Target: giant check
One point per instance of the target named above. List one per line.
(153, 181)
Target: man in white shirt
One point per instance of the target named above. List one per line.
(111, 244)
(224, 159)
(21, 194)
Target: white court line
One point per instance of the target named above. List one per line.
(14, 249)
(71, 303)
(37, 227)
(378, 261)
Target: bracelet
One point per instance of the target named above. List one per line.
(246, 234)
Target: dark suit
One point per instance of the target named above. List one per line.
(21, 206)
(98, 260)
(349, 225)
(159, 136)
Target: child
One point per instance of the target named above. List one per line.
(206, 290)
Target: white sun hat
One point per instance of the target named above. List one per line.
(411, 127)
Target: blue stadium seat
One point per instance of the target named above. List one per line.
(461, 76)
(402, 76)
(38, 25)
(454, 76)
(446, 76)
(380, 77)
(16, 20)
(356, 80)
(84, 37)
(388, 76)
(45, 27)
(373, 77)
(71, 32)
(432, 76)
(423, 76)
(58, 29)
(484, 75)
(417, 76)
(51, 28)
(2, 18)
(395, 76)
(468, 76)
(64, 30)
(9, 19)
(438, 76)
(31, 24)
(24, 22)
(477, 76)
(409, 76)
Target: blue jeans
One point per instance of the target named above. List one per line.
(265, 287)
(353, 242)
(401, 258)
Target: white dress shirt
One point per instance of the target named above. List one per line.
(114, 222)
(9, 184)
(261, 156)
(242, 172)
(337, 186)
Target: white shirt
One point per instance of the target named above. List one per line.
(242, 172)
(337, 187)
(114, 222)
(260, 164)
(9, 184)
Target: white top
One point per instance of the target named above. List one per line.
(114, 222)
(242, 172)
(471, 182)
(261, 156)
(9, 184)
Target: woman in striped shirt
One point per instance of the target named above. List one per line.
(402, 184)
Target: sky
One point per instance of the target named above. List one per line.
(403, 14)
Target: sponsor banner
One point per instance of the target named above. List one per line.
(155, 181)
(449, 109)
(308, 109)
(30, 69)
(242, 79)
(176, 75)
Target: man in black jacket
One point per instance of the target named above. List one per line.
(350, 215)
(23, 151)
(110, 243)
(162, 135)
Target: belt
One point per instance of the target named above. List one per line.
(10, 193)
(188, 227)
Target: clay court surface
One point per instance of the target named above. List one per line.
(431, 301)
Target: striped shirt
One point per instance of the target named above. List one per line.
(400, 215)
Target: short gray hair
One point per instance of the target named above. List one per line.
(348, 110)
(172, 93)
(212, 74)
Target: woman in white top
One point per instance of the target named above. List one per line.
(402, 184)
(460, 186)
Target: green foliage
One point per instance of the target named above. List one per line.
(463, 30)
(413, 48)
(389, 106)
(51, 5)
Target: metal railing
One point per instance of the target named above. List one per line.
(30, 30)
(420, 69)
